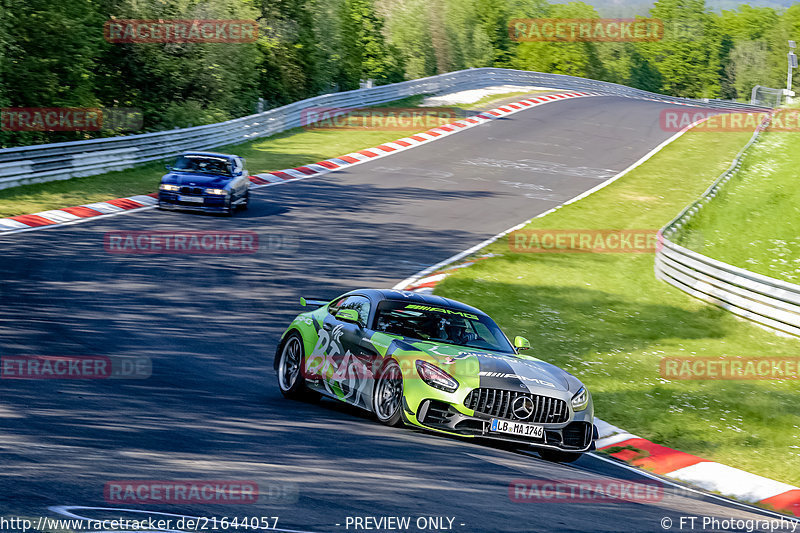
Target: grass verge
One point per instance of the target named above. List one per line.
(289, 149)
(754, 221)
(606, 319)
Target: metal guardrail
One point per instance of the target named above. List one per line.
(59, 161)
(770, 302)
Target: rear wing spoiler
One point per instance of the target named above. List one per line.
(312, 302)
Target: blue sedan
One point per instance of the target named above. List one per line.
(205, 181)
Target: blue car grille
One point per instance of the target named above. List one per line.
(498, 403)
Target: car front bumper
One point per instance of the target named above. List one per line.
(572, 436)
(169, 200)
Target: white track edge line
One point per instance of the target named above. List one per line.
(490, 240)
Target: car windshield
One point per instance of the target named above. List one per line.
(202, 164)
(440, 324)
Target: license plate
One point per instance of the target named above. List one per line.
(517, 428)
(195, 199)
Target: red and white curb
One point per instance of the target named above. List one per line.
(82, 213)
(708, 475)
(73, 215)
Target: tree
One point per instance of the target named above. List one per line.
(573, 58)
(409, 30)
(50, 54)
(365, 54)
(493, 19)
(688, 62)
(748, 67)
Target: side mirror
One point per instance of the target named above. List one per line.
(302, 301)
(347, 315)
(521, 343)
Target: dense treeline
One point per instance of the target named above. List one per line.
(53, 54)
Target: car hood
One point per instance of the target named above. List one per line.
(497, 370)
(196, 180)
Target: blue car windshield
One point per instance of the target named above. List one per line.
(440, 324)
(202, 164)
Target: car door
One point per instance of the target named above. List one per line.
(350, 358)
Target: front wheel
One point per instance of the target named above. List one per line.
(557, 456)
(290, 370)
(387, 398)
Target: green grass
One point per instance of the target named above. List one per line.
(289, 149)
(605, 318)
(754, 222)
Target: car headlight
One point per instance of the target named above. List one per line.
(581, 399)
(166, 187)
(216, 191)
(436, 377)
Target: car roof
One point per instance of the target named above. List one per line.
(211, 154)
(416, 297)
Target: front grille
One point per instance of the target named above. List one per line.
(499, 403)
(197, 191)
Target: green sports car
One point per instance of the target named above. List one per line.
(437, 364)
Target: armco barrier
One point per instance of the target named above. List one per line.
(767, 301)
(49, 162)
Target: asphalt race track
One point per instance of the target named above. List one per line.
(209, 324)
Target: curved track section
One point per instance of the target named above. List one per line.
(211, 409)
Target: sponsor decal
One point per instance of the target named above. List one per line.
(506, 375)
(442, 310)
(342, 373)
(730, 368)
(589, 241)
(180, 31)
(586, 30)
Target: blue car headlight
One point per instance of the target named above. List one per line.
(216, 191)
(436, 377)
(167, 187)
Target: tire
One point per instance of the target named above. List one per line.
(387, 396)
(246, 203)
(290, 370)
(557, 456)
